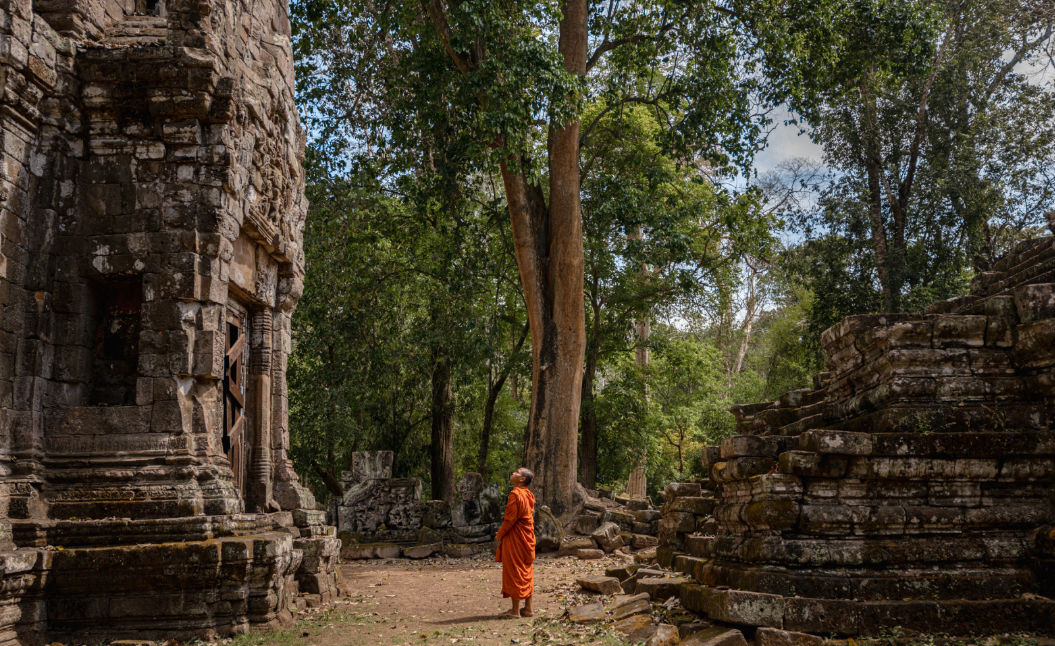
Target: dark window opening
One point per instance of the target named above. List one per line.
(115, 342)
(150, 8)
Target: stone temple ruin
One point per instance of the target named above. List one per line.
(912, 487)
(384, 517)
(151, 216)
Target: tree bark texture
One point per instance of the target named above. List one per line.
(442, 429)
(637, 483)
(549, 252)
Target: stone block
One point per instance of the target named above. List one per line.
(836, 442)
(660, 588)
(717, 636)
(697, 505)
(776, 637)
(607, 536)
(589, 554)
(623, 606)
(586, 524)
(572, 544)
(590, 613)
(600, 584)
(636, 627)
(675, 489)
(665, 635)
(422, 551)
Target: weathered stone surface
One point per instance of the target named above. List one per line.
(607, 537)
(589, 554)
(777, 637)
(716, 637)
(631, 604)
(660, 588)
(636, 627)
(572, 544)
(549, 534)
(422, 551)
(591, 613)
(665, 635)
(601, 584)
(151, 218)
(371, 551)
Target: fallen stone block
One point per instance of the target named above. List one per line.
(630, 604)
(458, 551)
(717, 636)
(636, 627)
(370, 551)
(601, 584)
(421, 551)
(572, 544)
(623, 572)
(665, 635)
(641, 541)
(591, 613)
(586, 524)
(777, 637)
(660, 588)
(646, 556)
(589, 554)
(607, 536)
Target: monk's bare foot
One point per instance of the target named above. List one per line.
(510, 614)
(526, 613)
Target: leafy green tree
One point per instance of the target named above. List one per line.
(942, 147)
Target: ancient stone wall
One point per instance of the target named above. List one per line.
(913, 487)
(151, 217)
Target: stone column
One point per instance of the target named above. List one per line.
(258, 491)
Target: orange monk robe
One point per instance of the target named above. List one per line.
(516, 546)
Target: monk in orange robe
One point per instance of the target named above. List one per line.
(516, 544)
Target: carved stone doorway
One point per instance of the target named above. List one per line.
(235, 378)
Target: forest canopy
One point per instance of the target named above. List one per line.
(557, 233)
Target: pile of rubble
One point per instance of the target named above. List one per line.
(384, 517)
(607, 523)
(912, 487)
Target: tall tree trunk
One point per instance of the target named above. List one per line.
(548, 245)
(588, 431)
(442, 428)
(873, 166)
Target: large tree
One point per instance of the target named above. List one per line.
(941, 140)
(517, 75)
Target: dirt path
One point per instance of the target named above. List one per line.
(443, 601)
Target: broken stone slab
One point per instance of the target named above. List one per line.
(677, 489)
(622, 572)
(646, 556)
(601, 584)
(777, 637)
(591, 613)
(717, 636)
(572, 544)
(370, 551)
(625, 605)
(422, 551)
(607, 536)
(589, 554)
(641, 541)
(586, 524)
(636, 627)
(660, 588)
(699, 505)
(665, 635)
(458, 551)
(639, 504)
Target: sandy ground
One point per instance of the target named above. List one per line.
(444, 601)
